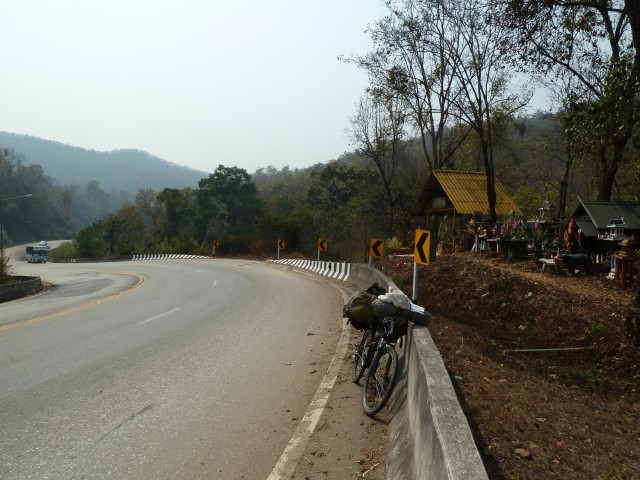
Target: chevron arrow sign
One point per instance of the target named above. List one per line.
(376, 248)
(422, 247)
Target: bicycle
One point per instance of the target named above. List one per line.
(382, 373)
(364, 352)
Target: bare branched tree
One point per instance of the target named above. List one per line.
(485, 100)
(598, 44)
(409, 62)
(377, 132)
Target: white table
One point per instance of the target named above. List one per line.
(546, 262)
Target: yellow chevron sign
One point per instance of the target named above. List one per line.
(376, 249)
(422, 247)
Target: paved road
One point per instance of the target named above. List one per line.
(160, 369)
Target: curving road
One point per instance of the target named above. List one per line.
(161, 369)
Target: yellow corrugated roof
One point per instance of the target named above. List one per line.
(468, 192)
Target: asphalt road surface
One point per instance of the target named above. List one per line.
(161, 369)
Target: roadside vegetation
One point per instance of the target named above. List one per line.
(545, 364)
(6, 271)
(450, 83)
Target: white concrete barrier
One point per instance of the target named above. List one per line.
(429, 436)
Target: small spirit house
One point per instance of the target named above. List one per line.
(615, 230)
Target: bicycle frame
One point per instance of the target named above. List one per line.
(365, 351)
(381, 375)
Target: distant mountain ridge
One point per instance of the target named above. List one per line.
(119, 170)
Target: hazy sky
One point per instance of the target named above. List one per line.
(246, 83)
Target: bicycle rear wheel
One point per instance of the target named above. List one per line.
(379, 381)
(362, 356)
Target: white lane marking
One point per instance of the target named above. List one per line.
(215, 283)
(158, 316)
(295, 448)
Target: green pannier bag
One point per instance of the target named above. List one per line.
(358, 310)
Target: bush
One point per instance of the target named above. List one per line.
(64, 251)
(392, 244)
(6, 272)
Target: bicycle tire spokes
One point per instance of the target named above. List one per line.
(380, 380)
(373, 339)
(362, 356)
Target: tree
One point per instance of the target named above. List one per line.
(484, 102)
(228, 198)
(151, 210)
(440, 60)
(177, 212)
(339, 199)
(45, 214)
(133, 235)
(113, 226)
(90, 241)
(598, 44)
(377, 131)
(408, 62)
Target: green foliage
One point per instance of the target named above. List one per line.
(341, 203)
(596, 328)
(598, 72)
(184, 244)
(103, 238)
(545, 239)
(64, 251)
(44, 213)
(6, 270)
(228, 198)
(406, 125)
(392, 244)
(164, 247)
(528, 200)
(591, 375)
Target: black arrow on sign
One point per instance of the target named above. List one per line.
(424, 237)
(281, 244)
(323, 244)
(376, 246)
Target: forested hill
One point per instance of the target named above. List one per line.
(119, 170)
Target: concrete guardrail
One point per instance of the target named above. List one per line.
(429, 436)
(22, 287)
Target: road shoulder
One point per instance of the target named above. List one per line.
(346, 442)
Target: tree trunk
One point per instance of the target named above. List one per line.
(564, 189)
(632, 8)
(633, 317)
(491, 183)
(606, 183)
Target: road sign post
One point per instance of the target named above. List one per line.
(323, 244)
(421, 255)
(216, 244)
(281, 245)
(376, 249)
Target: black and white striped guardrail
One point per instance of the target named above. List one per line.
(337, 270)
(164, 256)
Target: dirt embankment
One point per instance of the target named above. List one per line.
(545, 370)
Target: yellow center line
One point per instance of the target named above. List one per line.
(141, 281)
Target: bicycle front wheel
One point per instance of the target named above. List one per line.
(361, 356)
(379, 381)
